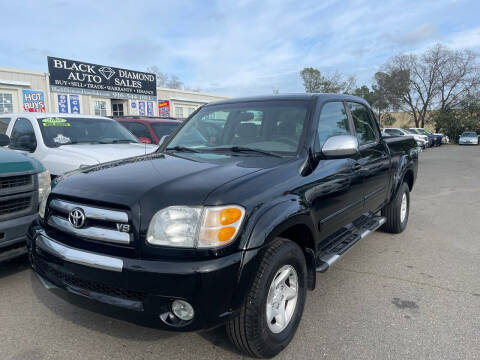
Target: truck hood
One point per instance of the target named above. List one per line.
(158, 180)
(15, 162)
(100, 153)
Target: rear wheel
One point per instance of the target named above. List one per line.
(397, 211)
(269, 318)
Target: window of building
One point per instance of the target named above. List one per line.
(23, 136)
(179, 112)
(363, 123)
(4, 125)
(190, 110)
(100, 107)
(117, 109)
(6, 103)
(333, 122)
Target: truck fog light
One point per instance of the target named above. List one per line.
(183, 310)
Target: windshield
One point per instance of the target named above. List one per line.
(162, 129)
(410, 131)
(469, 134)
(419, 131)
(270, 126)
(57, 131)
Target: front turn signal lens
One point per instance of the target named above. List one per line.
(229, 216)
(226, 233)
(220, 225)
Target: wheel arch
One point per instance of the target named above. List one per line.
(286, 219)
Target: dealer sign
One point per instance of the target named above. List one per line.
(76, 77)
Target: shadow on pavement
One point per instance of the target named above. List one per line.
(13, 266)
(219, 337)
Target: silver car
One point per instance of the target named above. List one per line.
(468, 138)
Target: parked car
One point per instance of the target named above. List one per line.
(422, 140)
(468, 138)
(436, 139)
(23, 182)
(65, 142)
(150, 130)
(232, 228)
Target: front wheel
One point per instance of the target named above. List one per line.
(397, 211)
(269, 317)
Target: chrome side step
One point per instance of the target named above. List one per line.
(345, 242)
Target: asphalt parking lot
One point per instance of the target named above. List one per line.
(410, 296)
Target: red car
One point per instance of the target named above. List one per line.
(149, 130)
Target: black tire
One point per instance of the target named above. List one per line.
(392, 211)
(249, 330)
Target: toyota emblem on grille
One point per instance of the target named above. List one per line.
(77, 218)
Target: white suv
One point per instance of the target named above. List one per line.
(422, 140)
(65, 142)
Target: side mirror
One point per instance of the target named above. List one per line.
(26, 143)
(163, 139)
(340, 146)
(4, 140)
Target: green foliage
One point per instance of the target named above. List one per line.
(454, 122)
(315, 82)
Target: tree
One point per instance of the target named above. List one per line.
(377, 101)
(311, 79)
(437, 79)
(315, 82)
(174, 83)
(169, 81)
(417, 86)
(162, 78)
(459, 76)
(453, 122)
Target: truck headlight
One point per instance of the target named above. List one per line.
(43, 202)
(195, 227)
(44, 181)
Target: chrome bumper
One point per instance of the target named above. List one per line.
(76, 256)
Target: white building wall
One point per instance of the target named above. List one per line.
(13, 81)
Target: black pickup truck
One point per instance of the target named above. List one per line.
(230, 228)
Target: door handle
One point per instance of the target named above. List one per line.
(356, 166)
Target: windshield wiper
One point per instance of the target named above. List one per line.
(241, 149)
(82, 142)
(182, 149)
(120, 141)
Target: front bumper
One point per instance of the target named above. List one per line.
(12, 233)
(138, 290)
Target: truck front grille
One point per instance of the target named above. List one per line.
(15, 181)
(89, 222)
(15, 205)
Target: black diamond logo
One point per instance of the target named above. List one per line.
(106, 72)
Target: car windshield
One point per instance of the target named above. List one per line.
(270, 126)
(57, 131)
(162, 129)
(410, 131)
(469, 134)
(419, 131)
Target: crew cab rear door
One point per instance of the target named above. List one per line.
(374, 158)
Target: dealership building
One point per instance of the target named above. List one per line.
(71, 86)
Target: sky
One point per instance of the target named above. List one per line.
(238, 47)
